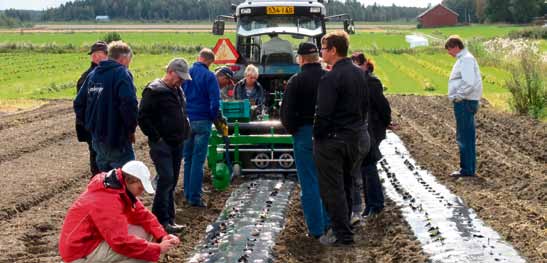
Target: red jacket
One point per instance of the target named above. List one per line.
(102, 213)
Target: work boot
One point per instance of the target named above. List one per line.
(199, 204)
(355, 219)
(174, 228)
(330, 239)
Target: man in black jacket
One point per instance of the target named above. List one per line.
(163, 118)
(340, 134)
(297, 112)
(98, 53)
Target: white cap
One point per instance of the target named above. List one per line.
(139, 170)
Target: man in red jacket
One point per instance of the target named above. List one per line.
(107, 223)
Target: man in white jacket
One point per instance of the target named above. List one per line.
(464, 91)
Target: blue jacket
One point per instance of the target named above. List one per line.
(107, 104)
(202, 93)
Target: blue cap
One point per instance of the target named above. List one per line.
(226, 72)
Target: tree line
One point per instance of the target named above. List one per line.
(193, 10)
(472, 11)
(507, 11)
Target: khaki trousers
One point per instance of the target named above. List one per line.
(104, 253)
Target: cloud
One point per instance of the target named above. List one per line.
(30, 4)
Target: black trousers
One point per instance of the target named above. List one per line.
(167, 159)
(372, 186)
(336, 159)
(92, 160)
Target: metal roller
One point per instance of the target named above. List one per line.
(257, 128)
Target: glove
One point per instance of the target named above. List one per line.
(221, 124)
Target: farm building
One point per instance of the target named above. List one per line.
(102, 18)
(438, 15)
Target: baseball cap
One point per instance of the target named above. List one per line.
(179, 66)
(226, 72)
(139, 170)
(99, 46)
(307, 48)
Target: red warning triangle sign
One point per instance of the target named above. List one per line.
(225, 52)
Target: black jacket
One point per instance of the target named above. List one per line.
(342, 103)
(379, 118)
(298, 107)
(162, 113)
(82, 134)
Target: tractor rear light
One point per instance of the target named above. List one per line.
(315, 9)
(234, 68)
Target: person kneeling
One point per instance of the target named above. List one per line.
(108, 223)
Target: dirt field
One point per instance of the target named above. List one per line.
(511, 193)
(44, 170)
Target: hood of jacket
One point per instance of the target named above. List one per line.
(109, 64)
(112, 182)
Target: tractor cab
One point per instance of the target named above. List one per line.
(268, 33)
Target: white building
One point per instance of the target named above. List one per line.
(416, 41)
(102, 18)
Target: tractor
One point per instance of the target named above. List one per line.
(257, 142)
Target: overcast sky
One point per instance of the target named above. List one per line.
(44, 4)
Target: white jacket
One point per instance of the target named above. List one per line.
(465, 82)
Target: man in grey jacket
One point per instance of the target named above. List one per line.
(464, 91)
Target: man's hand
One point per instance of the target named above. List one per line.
(132, 138)
(168, 242)
(221, 124)
(174, 239)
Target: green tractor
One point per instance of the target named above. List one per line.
(257, 142)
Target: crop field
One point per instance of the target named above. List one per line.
(46, 76)
(466, 32)
(26, 74)
(86, 39)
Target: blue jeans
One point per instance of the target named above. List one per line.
(314, 212)
(109, 157)
(465, 111)
(167, 160)
(195, 152)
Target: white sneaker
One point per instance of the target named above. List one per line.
(355, 219)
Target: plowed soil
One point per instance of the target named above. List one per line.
(44, 169)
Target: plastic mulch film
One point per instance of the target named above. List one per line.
(246, 229)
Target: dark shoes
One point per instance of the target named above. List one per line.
(174, 228)
(312, 236)
(330, 240)
(199, 204)
(371, 213)
(457, 174)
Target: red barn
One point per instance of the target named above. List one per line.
(438, 15)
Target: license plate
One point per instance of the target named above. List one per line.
(280, 10)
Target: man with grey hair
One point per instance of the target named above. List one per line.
(203, 94)
(163, 118)
(106, 106)
(465, 92)
(297, 111)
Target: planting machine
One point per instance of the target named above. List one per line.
(256, 142)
